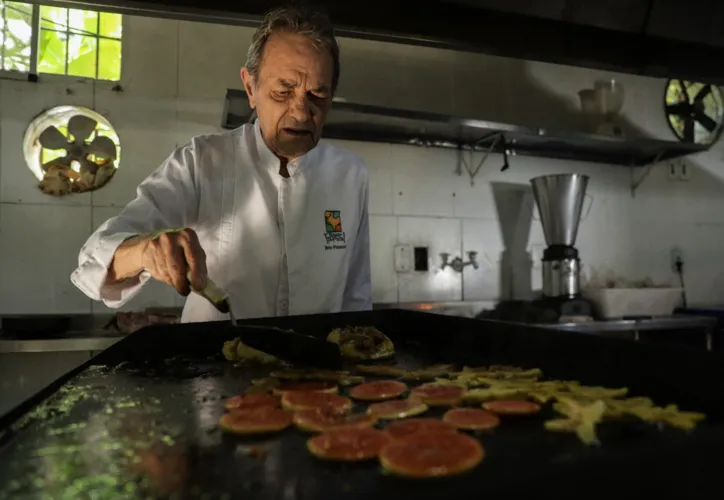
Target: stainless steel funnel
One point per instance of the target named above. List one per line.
(560, 202)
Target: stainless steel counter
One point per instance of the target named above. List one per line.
(70, 343)
(86, 332)
(638, 326)
(632, 325)
(631, 329)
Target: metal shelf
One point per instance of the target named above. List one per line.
(363, 122)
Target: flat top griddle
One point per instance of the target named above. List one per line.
(140, 421)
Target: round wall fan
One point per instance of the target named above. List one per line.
(71, 149)
(694, 111)
(77, 145)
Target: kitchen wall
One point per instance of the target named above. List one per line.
(174, 78)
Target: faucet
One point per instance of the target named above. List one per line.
(457, 263)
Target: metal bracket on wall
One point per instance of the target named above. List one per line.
(496, 137)
(636, 183)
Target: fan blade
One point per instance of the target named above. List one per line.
(684, 90)
(704, 120)
(53, 139)
(703, 93)
(63, 161)
(102, 147)
(81, 127)
(689, 130)
(679, 109)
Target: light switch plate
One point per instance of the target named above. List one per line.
(403, 258)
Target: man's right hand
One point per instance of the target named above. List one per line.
(168, 256)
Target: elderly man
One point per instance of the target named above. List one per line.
(265, 211)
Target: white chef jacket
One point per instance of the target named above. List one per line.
(279, 246)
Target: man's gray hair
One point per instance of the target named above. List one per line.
(301, 20)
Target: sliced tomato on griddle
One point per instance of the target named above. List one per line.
(348, 445)
(260, 420)
(410, 426)
(251, 401)
(326, 419)
(299, 400)
(401, 408)
(306, 386)
(378, 391)
(432, 454)
(471, 419)
(438, 394)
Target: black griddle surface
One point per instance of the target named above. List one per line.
(148, 429)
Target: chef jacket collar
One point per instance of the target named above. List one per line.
(266, 155)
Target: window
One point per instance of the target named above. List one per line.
(43, 39)
(16, 33)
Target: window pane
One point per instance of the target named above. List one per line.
(83, 22)
(82, 56)
(52, 52)
(109, 60)
(19, 60)
(17, 10)
(111, 25)
(16, 35)
(53, 18)
(67, 42)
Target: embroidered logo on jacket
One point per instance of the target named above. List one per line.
(333, 234)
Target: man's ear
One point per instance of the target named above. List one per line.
(248, 82)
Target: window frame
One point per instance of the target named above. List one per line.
(33, 74)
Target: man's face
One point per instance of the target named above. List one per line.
(292, 94)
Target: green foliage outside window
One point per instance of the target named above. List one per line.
(71, 41)
(16, 32)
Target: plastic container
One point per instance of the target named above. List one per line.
(614, 303)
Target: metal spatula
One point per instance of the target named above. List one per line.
(218, 297)
(286, 345)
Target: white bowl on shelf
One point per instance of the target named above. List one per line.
(614, 303)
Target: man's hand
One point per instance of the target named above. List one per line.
(168, 256)
(172, 256)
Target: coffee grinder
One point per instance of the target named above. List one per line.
(560, 203)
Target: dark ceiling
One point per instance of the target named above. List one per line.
(659, 38)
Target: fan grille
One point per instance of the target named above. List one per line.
(694, 111)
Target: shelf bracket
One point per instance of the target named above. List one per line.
(636, 183)
(468, 164)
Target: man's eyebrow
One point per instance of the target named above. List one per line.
(286, 84)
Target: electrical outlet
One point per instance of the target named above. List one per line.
(684, 171)
(403, 258)
(679, 170)
(673, 170)
(677, 255)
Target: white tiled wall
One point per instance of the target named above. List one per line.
(173, 89)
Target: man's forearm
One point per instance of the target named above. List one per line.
(128, 260)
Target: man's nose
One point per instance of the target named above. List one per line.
(301, 109)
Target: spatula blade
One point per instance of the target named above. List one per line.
(301, 350)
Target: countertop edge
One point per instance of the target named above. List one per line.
(70, 344)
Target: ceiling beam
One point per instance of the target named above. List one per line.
(467, 28)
